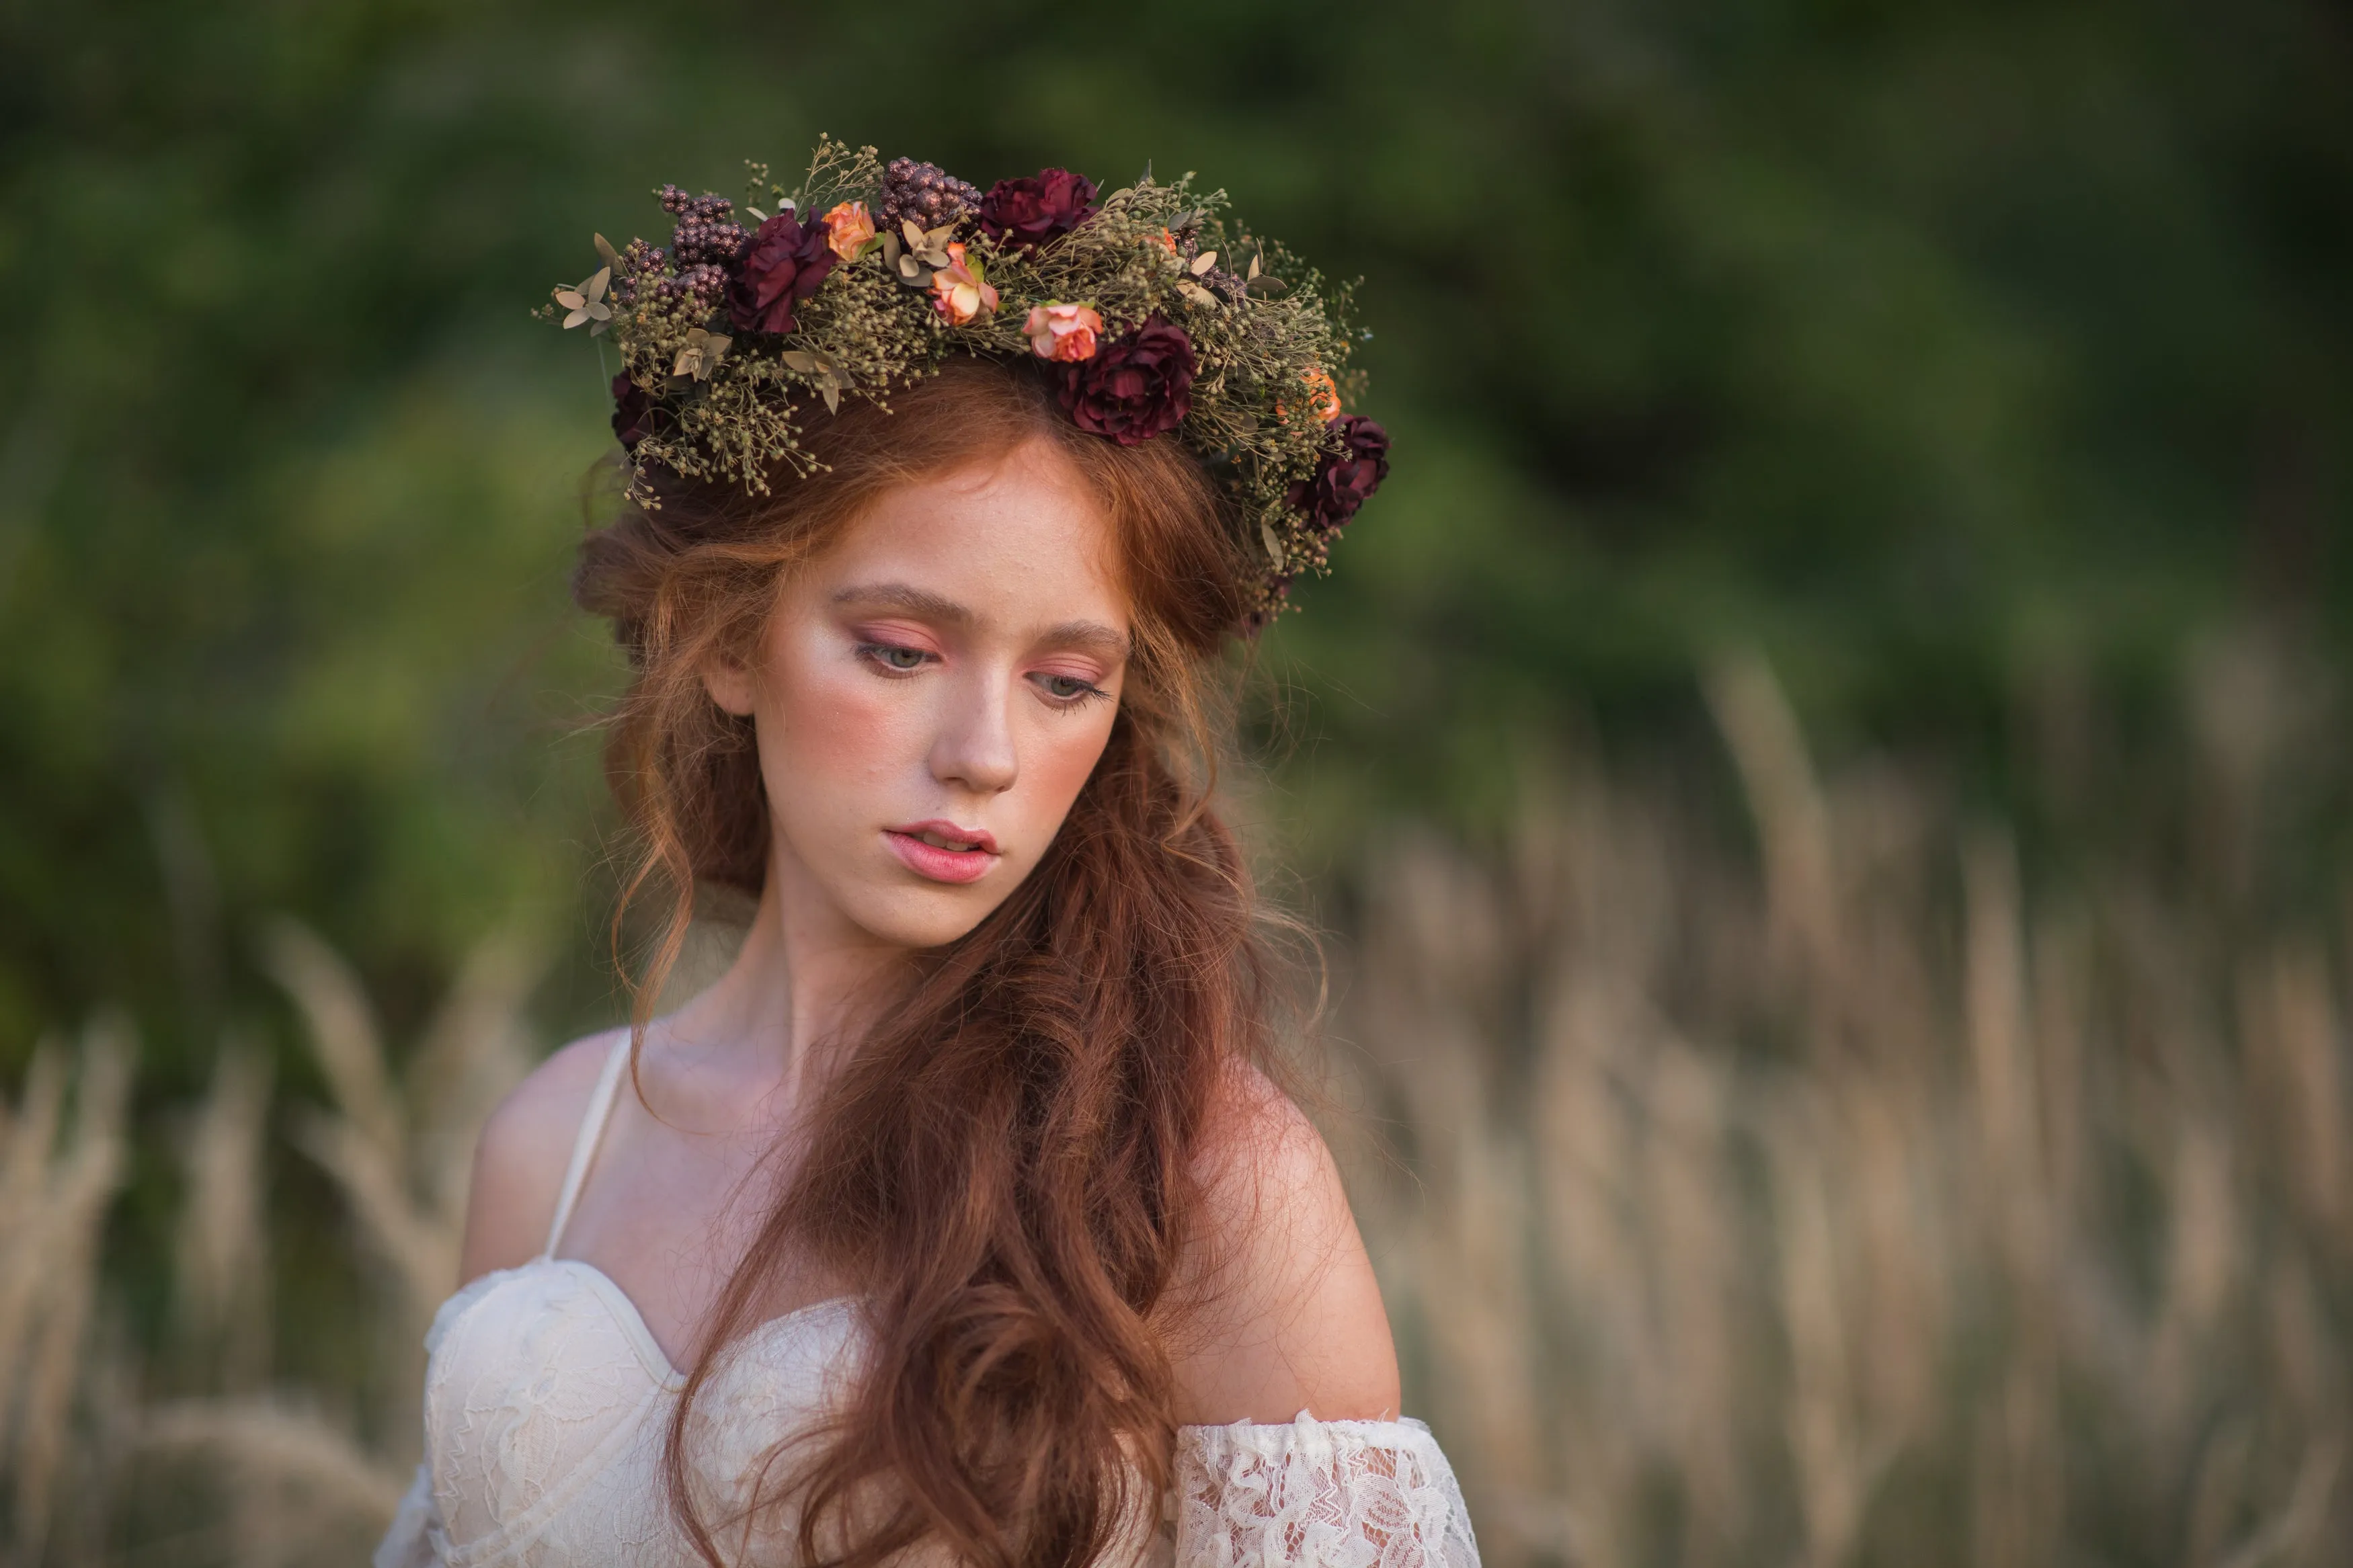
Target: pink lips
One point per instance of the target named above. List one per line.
(970, 861)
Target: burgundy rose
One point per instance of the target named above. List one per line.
(782, 266)
(1345, 480)
(1030, 212)
(634, 414)
(1134, 388)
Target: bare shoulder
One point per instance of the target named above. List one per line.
(520, 1161)
(1284, 1313)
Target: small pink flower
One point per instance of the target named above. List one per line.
(960, 292)
(849, 227)
(1064, 333)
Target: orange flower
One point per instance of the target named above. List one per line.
(1064, 333)
(1324, 396)
(849, 228)
(960, 292)
(1169, 240)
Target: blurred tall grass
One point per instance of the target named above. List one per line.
(1865, 1196)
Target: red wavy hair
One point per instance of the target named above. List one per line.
(1003, 1164)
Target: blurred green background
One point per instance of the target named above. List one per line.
(1979, 364)
(1964, 357)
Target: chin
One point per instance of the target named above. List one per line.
(923, 917)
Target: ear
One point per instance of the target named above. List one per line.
(730, 683)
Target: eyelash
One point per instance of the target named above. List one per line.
(1085, 693)
(878, 655)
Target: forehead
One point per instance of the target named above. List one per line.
(1020, 540)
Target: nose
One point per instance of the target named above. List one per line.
(974, 747)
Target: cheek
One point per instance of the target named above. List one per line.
(827, 721)
(1060, 758)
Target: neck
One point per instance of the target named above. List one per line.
(805, 981)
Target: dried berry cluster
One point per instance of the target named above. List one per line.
(1157, 319)
(923, 193)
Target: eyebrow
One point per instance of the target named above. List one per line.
(1093, 636)
(902, 596)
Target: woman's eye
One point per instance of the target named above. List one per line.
(889, 657)
(1067, 688)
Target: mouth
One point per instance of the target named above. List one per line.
(942, 852)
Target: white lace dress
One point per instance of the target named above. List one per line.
(547, 1404)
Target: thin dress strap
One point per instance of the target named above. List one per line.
(584, 1146)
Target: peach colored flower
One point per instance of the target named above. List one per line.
(1064, 333)
(850, 225)
(1324, 396)
(960, 292)
(1169, 240)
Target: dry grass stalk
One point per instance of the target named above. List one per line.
(1851, 1242)
(299, 1486)
(400, 1151)
(267, 1445)
(222, 1254)
(55, 1208)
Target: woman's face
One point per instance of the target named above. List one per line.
(931, 694)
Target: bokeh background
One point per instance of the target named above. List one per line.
(1824, 770)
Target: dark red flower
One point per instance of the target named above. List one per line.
(634, 414)
(1030, 212)
(1135, 388)
(1345, 480)
(782, 266)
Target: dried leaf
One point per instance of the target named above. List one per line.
(574, 318)
(916, 239)
(891, 247)
(1197, 294)
(755, 214)
(595, 287)
(832, 396)
(570, 298)
(1273, 545)
(1252, 275)
(796, 360)
(1203, 261)
(605, 250)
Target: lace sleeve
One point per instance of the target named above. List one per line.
(414, 1539)
(1335, 1494)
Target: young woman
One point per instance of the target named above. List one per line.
(961, 1221)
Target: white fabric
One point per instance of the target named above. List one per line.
(547, 1404)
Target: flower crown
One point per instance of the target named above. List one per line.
(1155, 317)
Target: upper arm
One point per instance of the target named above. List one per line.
(520, 1159)
(1283, 1313)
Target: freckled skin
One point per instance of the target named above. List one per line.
(973, 735)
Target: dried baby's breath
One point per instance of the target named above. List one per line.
(1265, 330)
